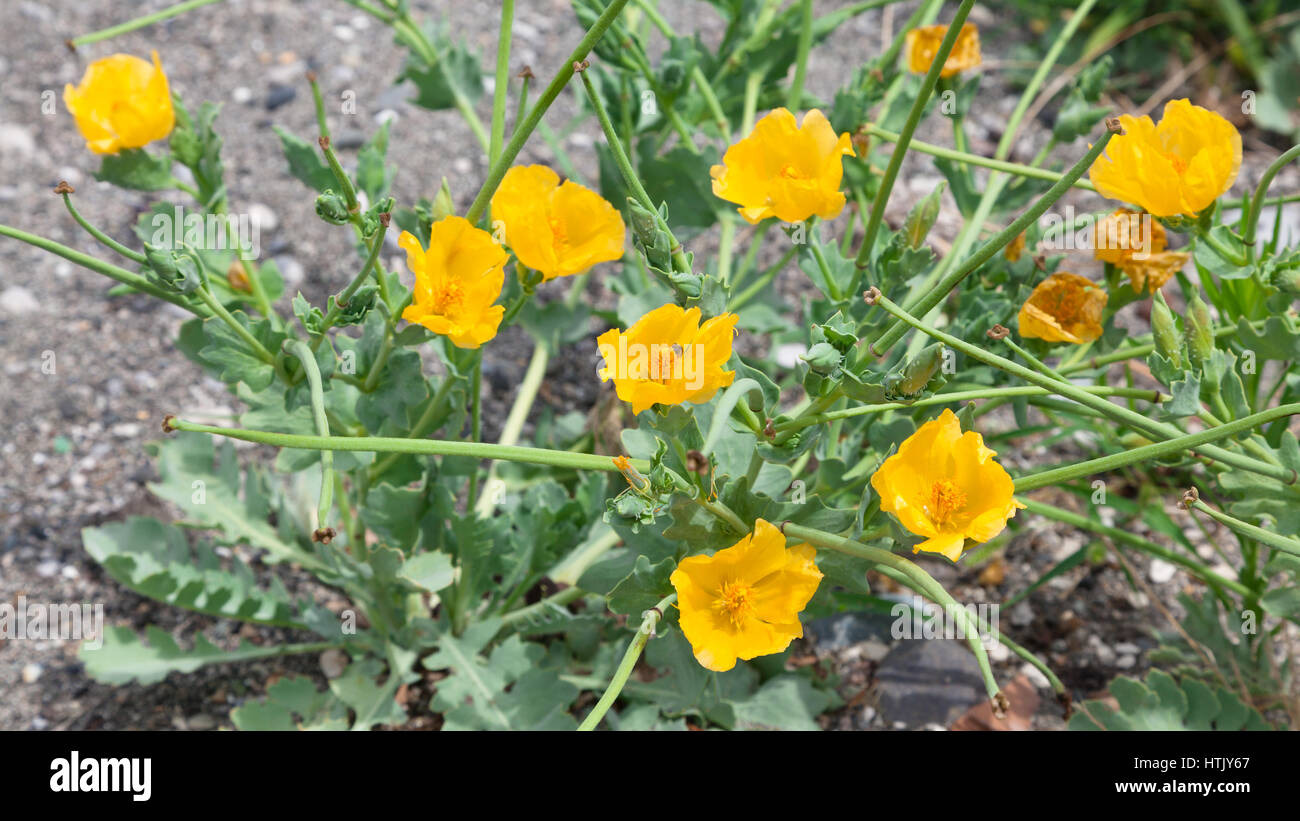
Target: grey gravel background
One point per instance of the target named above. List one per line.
(71, 451)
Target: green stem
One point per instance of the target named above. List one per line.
(104, 239)
(422, 426)
(100, 267)
(476, 419)
(514, 424)
(801, 59)
(520, 135)
(139, 22)
(418, 447)
(935, 295)
(502, 81)
(909, 126)
(1256, 202)
(1259, 534)
(1125, 537)
(924, 581)
(975, 159)
(1159, 449)
(243, 333)
(305, 355)
(629, 175)
(960, 396)
(341, 301)
(322, 123)
(648, 621)
(341, 176)
(1109, 409)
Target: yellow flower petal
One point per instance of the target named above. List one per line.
(557, 229)
(1179, 166)
(923, 43)
(744, 601)
(456, 282)
(667, 357)
(945, 486)
(784, 170)
(121, 102)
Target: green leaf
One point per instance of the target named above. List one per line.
(456, 71)
(431, 571)
(643, 588)
(292, 703)
(374, 176)
(124, 658)
(138, 170)
(305, 161)
(155, 560)
(1161, 703)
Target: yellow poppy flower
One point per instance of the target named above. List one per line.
(1063, 308)
(456, 282)
(668, 357)
(923, 45)
(1178, 166)
(744, 601)
(784, 170)
(944, 485)
(556, 229)
(121, 102)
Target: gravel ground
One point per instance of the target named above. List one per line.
(72, 452)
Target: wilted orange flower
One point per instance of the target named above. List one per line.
(1136, 243)
(557, 229)
(923, 45)
(744, 601)
(1178, 166)
(456, 282)
(784, 170)
(1149, 275)
(944, 485)
(668, 357)
(1063, 308)
(121, 102)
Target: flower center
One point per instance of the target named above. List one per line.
(1069, 301)
(450, 297)
(789, 171)
(735, 601)
(946, 500)
(559, 236)
(667, 365)
(1179, 165)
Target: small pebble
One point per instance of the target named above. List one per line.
(333, 663)
(31, 672)
(1161, 571)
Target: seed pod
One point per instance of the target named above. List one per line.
(1165, 331)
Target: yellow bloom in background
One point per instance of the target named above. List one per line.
(1178, 166)
(557, 229)
(923, 45)
(456, 282)
(668, 357)
(1063, 308)
(744, 601)
(944, 485)
(1015, 248)
(121, 102)
(784, 170)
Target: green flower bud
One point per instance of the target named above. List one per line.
(177, 272)
(443, 205)
(823, 358)
(1199, 331)
(333, 208)
(1165, 331)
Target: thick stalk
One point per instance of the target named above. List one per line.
(305, 355)
(648, 621)
(418, 447)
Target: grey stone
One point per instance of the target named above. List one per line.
(928, 682)
(847, 629)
